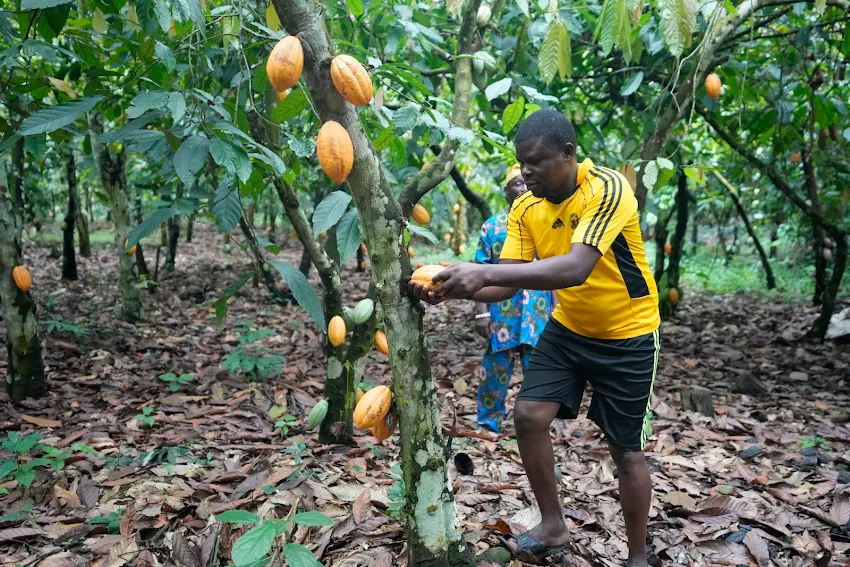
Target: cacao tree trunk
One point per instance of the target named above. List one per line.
(434, 534)
(69, 258)
(677, 243)
(24, 367)
(190, 224)
(114, 182)
(82, 222)
(742, 212)
(256, 254)
(173, 235)
(830, 296)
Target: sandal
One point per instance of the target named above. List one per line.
(526, 544)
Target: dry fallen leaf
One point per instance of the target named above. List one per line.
(362, 507)
(41, 421)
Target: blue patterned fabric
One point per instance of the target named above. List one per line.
(517, 321)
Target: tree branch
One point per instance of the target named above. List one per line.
(770, 172)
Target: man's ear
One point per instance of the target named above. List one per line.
(569, 151)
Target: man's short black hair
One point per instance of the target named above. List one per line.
(555, 128)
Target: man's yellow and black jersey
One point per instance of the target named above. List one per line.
(619, 300)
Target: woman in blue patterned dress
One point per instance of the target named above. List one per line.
(511, 326)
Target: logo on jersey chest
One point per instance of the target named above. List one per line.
(573, 221)
(558, 224)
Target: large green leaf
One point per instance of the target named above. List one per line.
(498, 88)
(243, 517)
(38, 4)
(512, 114)
(163, 14)
(143, 102)
(303, 292)
(231, 158)
(604, 32)
(329, 211)
(190, 157)
(555, 52)
(148, 225)
(130, 127)
(678, 22)
(299, 556)
(632, 84)
(423, 232)
(253, 545)
(312, 519)
(57, 116)
(384, 139)
(348, 235)
(227, 207)
(294, 104)
(191, 9)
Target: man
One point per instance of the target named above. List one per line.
(582, 221)
(509, 326)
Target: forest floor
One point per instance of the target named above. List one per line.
(765, 479)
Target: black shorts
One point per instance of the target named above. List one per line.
(621, 372)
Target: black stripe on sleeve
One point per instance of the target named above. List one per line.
(587, 237)
(617, 196)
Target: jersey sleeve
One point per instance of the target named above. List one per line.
(607, 212)
(519, 244)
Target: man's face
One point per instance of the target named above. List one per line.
(545, 168)
(515, 188)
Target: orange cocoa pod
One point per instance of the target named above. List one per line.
(351, 80)
(372, 407)
(335, 150)
(425, 274)
(381, 431)
(420, 214)
(713, 85)
(381, 344)
(668, 248)
(336, 331)
(285, 63)
(22, 278)
(673, 294)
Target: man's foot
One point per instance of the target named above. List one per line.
(539, 542)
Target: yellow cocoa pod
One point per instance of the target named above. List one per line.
(456, 208)
(712, 86)
(22, 278)
(351, 80)
(285, 63)
(461, 249)
(280, 96)
(269, 229)
(336, 152)
(447, 237)
(668, 248)
(411, 252)
(336, 331)
(130, 251)
(673, 294)
(381, 431)
(372, 407)
(425, 274)
(420, 214)
(381, 344)
(360, 394)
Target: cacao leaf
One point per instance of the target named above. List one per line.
(512, 115)
(303, 292)
(678, 22)
(190, 157)
(329, 211)
(227, 206)
(242, 517)
(312, 519)
(299, 556)
(254, 544)
(348, 235)
(57, 116)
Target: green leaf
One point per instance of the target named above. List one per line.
(694, 174)
(523, 7)
(384, 139)
(845, 44)
(512, 115)
(177, 105)
(312, 519)
(38, 4)
(678, 22)
(632, 84)
(192, 9)
(303, 292)
(820, 6)
(190, 157)
(56, 17)
(423, 232)
(604, 32)
(355, 7)
(130, 127)
(329, 211)
(299, 556)
(498, 88)
(148, 225)
(293, 105)
(58, 116)
(227, 207)
(242, 517)
(164, 54)
(348, 235)
(405, 118)
(163, 14)
(229, 291)
(565, 51)
(25, 477)
(143, 102)
(254, 544)
(268, 245)
(650, 174)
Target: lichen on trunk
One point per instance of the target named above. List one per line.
(25, 367)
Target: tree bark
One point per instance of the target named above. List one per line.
(83, 234)
(677, 243)
(742, 212)
(818, 330)
(434, 534)
(257, 257)
(112, 175)
(190, 225)
(173, 235)
(24, 367)
(69, 258)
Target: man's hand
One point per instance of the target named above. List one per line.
(421, 292)
(460, 281)
(483, 327)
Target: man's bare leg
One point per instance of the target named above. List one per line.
(635, 495)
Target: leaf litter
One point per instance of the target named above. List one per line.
(763, 481)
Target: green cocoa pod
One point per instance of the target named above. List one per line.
(363, 311)
(348, 316)
(317, 414)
